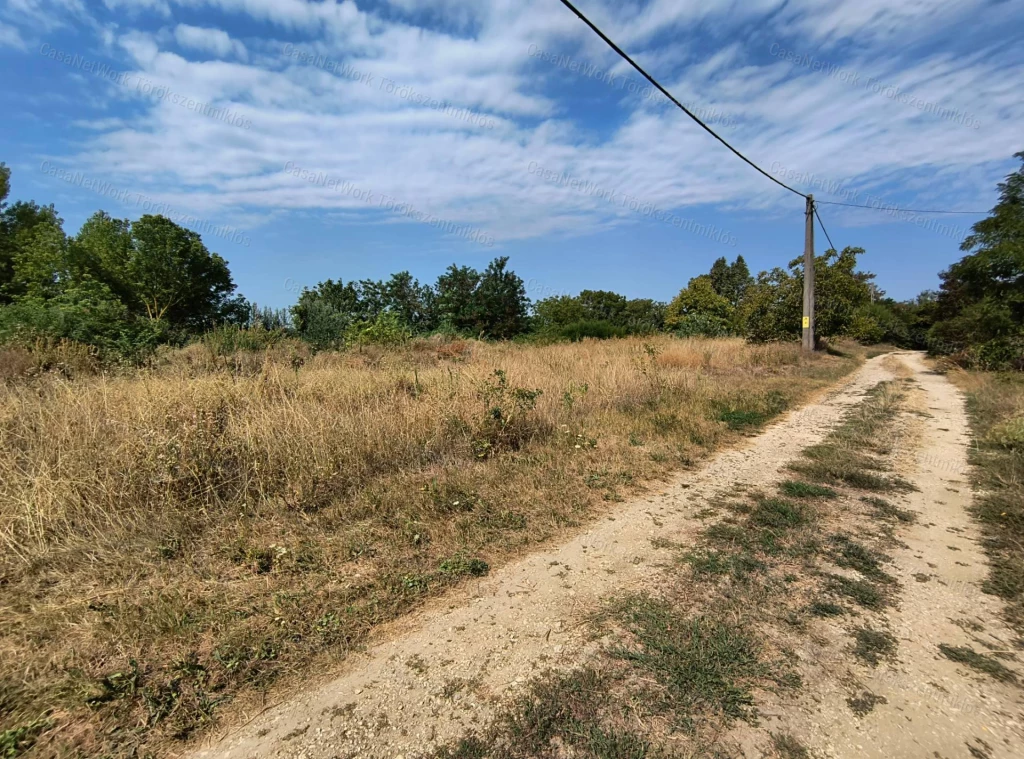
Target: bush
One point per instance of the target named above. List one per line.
(702, 325)
(386, 329)
(600, 330)
(229, 339)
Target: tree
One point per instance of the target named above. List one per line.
(730, 281)
(18, 222)
(699, 302)
(410, 301)
(455, 298)
(551, 314)
(105, 246)
(772, 307)
(174, 277)
(502, 305)
(980, 307)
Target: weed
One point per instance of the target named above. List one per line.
(821, 608)
(795, 489)
(18, 740)
(460, 565)
(885, 509)
(708, 563)
(703, 662)
(850, 554)
(561, 710)
(865, 703)
(861, 591)
(871, 646)
(989, 665)
(788, 747)
(777, 514)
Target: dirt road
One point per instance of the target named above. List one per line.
(443, 670)
(927, 705)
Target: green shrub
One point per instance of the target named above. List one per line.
(386, 329)
(601, 330)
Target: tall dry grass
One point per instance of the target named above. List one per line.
(182, 537)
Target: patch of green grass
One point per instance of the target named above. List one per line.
(850, 554)
(708, 563)
(885, 509)
(989, 665)
(18, 740)
(460, 565)
(704, 663)
(821, 608)
(738, 420)
(871, 646)
(862, 591)
(560, 710)
(797, 489)
(778, 514)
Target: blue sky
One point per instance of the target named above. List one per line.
(307, 140)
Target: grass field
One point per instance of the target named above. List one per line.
(180, 540)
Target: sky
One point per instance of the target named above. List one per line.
(349, 140)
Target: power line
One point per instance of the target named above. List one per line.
(814, 206)
(669, 95)
(896, 208)
(722, 140)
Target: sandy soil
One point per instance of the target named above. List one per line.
(932, 707)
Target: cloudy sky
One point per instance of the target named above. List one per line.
(308, 140)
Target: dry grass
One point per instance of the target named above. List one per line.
(184, 537)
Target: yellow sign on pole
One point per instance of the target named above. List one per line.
(807, 322)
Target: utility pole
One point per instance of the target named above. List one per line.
(808, 325)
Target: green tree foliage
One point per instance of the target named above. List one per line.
(117, 285)
(772, 307)
(731, 280)
(174, 277)
(501, 304)
(597, 313)
(699, 309)
(980, 308)
(490, 304)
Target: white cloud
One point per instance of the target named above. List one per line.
(214, 41)
(11, 37)
(340, 121)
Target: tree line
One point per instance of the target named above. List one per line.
(126, 287)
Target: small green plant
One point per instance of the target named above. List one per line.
(18, 740)
(503, 425)
(821, 608)
(460, 565)
(796, 489)
(863, 592)
(778, 514)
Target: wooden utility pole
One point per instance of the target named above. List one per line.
(808, 325)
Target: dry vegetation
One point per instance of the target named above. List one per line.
(185, 537)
